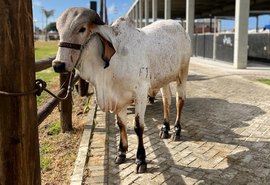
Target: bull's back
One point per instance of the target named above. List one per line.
(168, 50)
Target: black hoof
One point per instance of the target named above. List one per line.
(164, 131)
(120, 159)
(176, 134)
(141, 167)
(151, 99)
(164, 134)
(175, 137)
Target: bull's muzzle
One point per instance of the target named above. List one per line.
(59, 67)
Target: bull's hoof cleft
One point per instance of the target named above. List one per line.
(120, 159)
(141, 167)
(164, 134)
(175, 137)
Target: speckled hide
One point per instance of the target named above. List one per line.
(137, 61)
(145, 58)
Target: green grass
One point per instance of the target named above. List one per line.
(51, 78)
(54, 128)
(265, 81)
(44, 50)
(45, 161)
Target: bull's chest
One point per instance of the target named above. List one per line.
(113, 100)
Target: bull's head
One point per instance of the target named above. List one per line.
(76, 27)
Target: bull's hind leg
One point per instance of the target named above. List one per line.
(123, 144)
(166, 98)
(180, 99)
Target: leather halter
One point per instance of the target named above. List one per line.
(70, 45)
(81, 47)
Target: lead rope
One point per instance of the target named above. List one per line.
(69, 89)
(40, 86)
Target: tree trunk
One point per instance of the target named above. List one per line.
(19, 147)
(46, 31)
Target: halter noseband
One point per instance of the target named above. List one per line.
(70, 45)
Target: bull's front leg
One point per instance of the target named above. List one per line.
(140, 106)
(123, 144)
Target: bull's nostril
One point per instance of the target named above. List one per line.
(59, 67)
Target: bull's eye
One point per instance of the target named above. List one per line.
(82, 30)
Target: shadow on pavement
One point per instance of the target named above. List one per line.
(211, 121)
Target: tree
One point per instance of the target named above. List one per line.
(51, 27)
(47, 13)
(37, 30)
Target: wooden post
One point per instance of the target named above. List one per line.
(19, 147)
(82, 87)
(65, 106)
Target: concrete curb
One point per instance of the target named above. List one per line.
(77, 175)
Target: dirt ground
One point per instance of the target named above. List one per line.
(58, 150)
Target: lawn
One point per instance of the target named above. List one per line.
(44, 50)
(265, 81)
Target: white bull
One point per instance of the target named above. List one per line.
(124, 63)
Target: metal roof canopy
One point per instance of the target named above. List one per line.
(210, 8)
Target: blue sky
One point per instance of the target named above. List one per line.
(115, 8)
(263, 20)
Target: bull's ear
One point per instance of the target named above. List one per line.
(108, 51)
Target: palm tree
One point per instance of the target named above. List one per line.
(47, 13)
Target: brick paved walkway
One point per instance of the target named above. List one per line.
(225, 140)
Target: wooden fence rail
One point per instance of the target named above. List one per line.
(47, 109)
(41, 65)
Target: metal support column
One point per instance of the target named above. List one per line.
(241, 34)
(167, 11)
